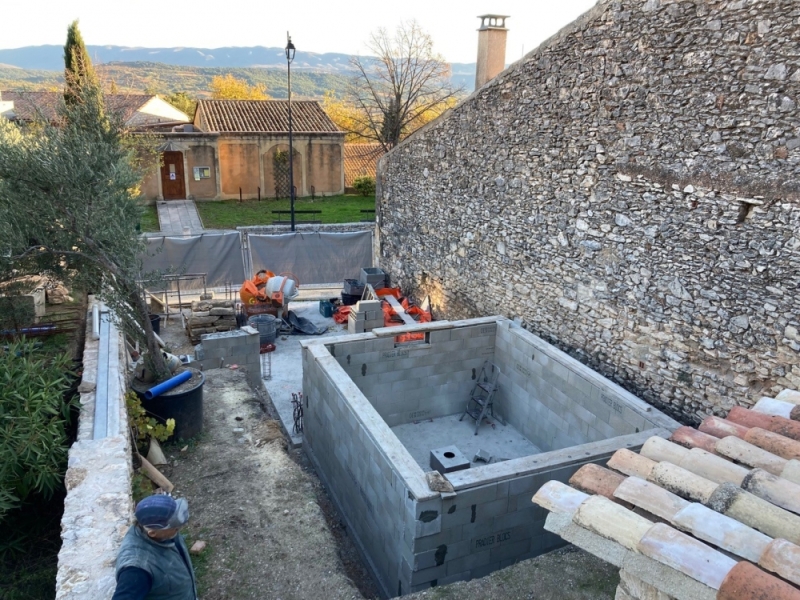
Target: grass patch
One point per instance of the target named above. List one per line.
(200, 562)
(228, 214)
(149, 220)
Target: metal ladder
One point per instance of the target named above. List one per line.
(481, 399)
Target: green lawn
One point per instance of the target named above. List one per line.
(149, 220)
(227, 214)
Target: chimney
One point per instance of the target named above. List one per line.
(491, 48)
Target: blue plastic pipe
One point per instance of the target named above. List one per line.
(167, 385)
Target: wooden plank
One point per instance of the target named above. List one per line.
(401, 312)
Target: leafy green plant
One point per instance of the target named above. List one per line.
(281, 157)
(364, 185)
(33, 422)
(141, 487)
(144, 425)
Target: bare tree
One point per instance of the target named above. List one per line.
(402, 86)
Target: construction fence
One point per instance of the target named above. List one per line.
(228, 258)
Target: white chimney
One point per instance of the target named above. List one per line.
(491, 48)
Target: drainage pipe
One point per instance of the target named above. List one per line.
(167, 385)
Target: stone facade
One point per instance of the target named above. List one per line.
(629, 190)
(245, 161)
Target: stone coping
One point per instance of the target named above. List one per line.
(98, 506)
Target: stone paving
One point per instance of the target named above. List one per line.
(178, 217)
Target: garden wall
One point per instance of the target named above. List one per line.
(98, 507)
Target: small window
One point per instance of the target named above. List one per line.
(202, 173)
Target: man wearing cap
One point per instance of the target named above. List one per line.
(153, 561)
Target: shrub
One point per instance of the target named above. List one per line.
(33, 422)
(145, 426)
(364, 185)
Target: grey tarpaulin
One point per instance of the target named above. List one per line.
(218, 255)
(312, 256)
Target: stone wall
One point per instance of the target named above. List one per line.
(98, 507)
(629, 190)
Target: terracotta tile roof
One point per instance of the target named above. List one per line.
(29, 105)
(262, 116)
(697, 507)
(360, 160)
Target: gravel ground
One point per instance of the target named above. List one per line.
(273, 533)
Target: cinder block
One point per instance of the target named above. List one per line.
(479, 495)
(468, 562)
(365, 305)
(447, 537)
(492, 509)
(526, 484)
(355, 326)
(517, 517)
(439, 336)
(509, 550)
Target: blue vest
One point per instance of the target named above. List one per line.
(168, 563)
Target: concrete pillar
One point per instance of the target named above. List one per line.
(491, 48)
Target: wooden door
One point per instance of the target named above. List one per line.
(173, 184)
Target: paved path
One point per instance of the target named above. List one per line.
(178, 216)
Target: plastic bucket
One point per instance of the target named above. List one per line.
(186, 408)
(155, 322)
(267, 327)
(350, 299)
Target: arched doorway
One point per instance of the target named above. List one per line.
(173, 184)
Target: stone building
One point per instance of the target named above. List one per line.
(241, 146)
(628, 190)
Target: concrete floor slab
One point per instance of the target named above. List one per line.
(287, 365)
(498, 441)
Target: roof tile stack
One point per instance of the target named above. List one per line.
(713, 513)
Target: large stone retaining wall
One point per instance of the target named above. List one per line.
(629, 190)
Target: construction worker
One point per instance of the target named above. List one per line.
(153, 562)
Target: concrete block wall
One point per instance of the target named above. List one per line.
(557, 402)
(490, 522)
(413, 381)
(239, 347)
(377, 486)
(413, 538)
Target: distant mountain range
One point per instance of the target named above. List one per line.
(163, 69)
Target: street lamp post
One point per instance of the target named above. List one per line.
(289, 58)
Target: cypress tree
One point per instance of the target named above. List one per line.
(78, 70)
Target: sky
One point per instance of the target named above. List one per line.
(315, 25)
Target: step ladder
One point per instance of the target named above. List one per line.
(481, 399)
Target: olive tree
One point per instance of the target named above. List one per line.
(69, 207)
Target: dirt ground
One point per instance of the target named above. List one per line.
(273, 533)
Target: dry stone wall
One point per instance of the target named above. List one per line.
(630, 191)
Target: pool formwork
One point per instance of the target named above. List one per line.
(358, 387)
